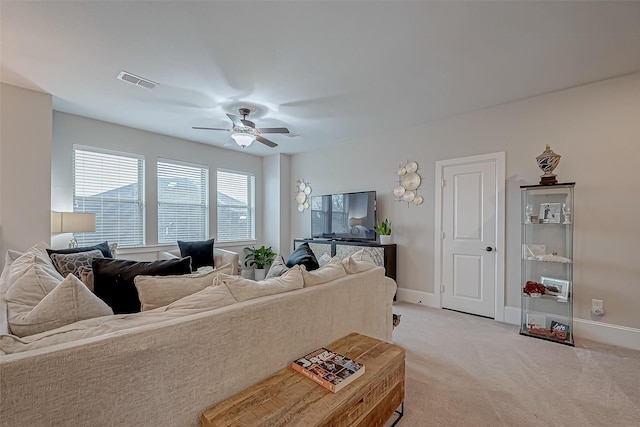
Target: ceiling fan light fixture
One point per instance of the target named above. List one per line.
(243, 139)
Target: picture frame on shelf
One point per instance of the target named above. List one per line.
(556, 287)
(550, 213)
(535, 320)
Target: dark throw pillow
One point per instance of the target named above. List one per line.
(201, 253)
(102, 247)
(303, 255)
(113, 279)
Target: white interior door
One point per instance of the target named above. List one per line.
(469, 208)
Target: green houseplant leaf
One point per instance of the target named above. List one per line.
(383, 228)
(260, 257)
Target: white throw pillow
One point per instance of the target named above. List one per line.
(325, 258)
(36, 254)
(359, 261)
(245, 289)
(330, 271)
(159, 291)
(278, 267)
(68, 302)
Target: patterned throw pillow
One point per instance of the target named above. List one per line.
(71, 263)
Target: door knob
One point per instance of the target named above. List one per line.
(488, 249)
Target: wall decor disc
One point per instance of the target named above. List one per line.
(302, 186)
(305, 205)
(301, 198)
(418, 200)
(307, 190)
(300, 207)
(411, 181)
(411, 167)
(399, 191)
(408, 196)
(402, 171)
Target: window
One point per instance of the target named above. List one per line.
(236, 206)
(111, 186)
(183, 202)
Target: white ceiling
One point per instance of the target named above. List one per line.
(329, 71)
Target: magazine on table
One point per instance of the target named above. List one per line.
(329, 369)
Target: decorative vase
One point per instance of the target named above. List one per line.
(259, 273)
(385, 240)
(547, 161)
(247, 273)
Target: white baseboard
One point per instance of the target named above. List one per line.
(605, 333)
(512, 315)
(622, 336)
(418, 297)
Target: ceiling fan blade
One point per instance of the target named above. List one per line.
(248, 123)
(236, 121)
(273, 130)
(266, 142)
(196, 127)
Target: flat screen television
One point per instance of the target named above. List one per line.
(345, 216)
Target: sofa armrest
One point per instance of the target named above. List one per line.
(222, 257)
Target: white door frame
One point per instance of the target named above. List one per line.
(499, 160)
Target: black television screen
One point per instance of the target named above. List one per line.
(348, 216)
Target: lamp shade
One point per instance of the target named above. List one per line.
(243, 139)
(72, 222)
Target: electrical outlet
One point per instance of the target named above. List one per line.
(597, 307)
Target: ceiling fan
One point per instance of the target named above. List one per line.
(245, 131)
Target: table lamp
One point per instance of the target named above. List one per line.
(72, 222)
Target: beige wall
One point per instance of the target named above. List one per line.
(25, 168)
(277, 192)
(69, 129)
(596, 129)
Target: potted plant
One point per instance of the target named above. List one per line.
(259, 258)
(384, 231)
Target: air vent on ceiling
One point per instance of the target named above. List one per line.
(136, 80)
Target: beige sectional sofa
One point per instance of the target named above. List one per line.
(165, 366)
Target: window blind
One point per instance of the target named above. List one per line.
(111, 186)
(183, 202)
(236, 206)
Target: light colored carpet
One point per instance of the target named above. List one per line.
(464, 370)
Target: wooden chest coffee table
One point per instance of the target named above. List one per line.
(288, 398)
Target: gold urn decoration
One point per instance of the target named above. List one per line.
(547, 161)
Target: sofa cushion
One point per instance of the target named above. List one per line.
(68, 302)
(201, 253)
(208, 299)
(71, 263)
(359, 261)
(159, 291)
(102, 247)
(303, 255)
(278, 268)
(328, 272)
(113, 279)
(245, 289)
